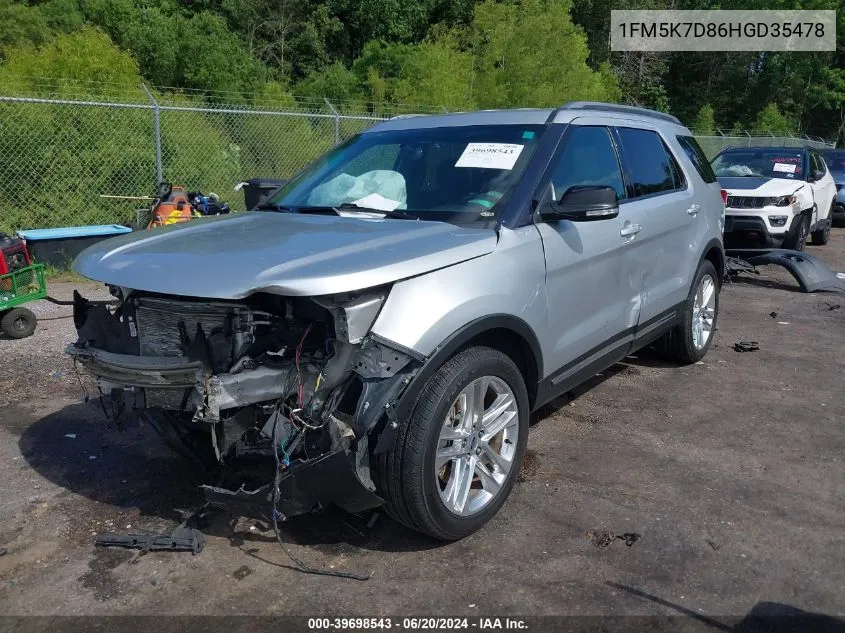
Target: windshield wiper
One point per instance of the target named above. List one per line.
(346, 207)
(394, 214)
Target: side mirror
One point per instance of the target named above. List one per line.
(817, 174)
(583, 204)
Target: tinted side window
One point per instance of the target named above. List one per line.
(651, 169)
(697, 157)
(588, 158)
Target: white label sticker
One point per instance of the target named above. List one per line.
(490, 155)
(377, 201)
(784, 167)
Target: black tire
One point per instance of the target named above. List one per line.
(677, 345)
(822, 236)
(18, 323)
(796, 240)
(405, 474)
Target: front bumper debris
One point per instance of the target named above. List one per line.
(811, 273)
(277, 398)
(138, 371)
(331, 479)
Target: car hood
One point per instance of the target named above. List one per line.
(290, 254)
(758, 186)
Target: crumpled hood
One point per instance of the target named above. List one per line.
(756, 186)
(231, 257)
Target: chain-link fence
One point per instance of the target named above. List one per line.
(714, 143)
(58, 156)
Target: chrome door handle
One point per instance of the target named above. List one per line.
(694, 209)
(630, 230)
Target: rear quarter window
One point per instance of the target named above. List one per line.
(697, 157)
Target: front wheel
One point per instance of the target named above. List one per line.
(689, 341)
(796, 239)
(454, 462)
(822, 236)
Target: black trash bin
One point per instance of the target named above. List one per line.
(256, 190)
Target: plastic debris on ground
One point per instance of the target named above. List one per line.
(182, 539)
(746, 346)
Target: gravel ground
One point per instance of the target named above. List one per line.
(37, 367)
(731, 472)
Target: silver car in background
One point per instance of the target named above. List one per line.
(379, 331)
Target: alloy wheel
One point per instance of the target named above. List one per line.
(703, 312)
(477, 445)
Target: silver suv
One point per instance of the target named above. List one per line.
(380, 330)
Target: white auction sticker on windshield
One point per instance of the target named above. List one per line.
(784, 167)
(490, 155)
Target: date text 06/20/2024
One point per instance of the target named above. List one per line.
(417, 624)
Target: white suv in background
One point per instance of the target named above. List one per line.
(776, 196)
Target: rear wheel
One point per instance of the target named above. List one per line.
(18, 323)
(689, 341)
(454, 462)
(796, 240)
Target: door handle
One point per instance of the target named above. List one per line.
(694, 209)
(630, 230)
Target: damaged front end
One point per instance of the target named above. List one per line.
(286, 397)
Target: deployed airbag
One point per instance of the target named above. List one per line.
(383, 185)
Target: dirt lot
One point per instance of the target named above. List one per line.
(731, 471)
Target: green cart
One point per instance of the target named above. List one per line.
(17, 288)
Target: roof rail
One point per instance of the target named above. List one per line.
(621, 109)
(405, 116)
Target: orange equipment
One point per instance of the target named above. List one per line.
(171, 207)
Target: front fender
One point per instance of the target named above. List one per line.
(420, 314)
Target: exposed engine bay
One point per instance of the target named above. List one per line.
(283, 398)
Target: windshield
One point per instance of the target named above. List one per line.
(765, 163)
(463, 175)
(835, 161)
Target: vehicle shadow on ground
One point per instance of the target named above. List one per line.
(76, 449)
(764, 617)
(628, 366)
(765, 282)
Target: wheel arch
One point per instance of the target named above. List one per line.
(714, 252)
(509, 334)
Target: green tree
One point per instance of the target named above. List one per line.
(770, 120)
(21, 24)
(704, 122)
(530, 53)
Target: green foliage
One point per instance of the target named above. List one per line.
(20, 24)
(85, 55)
(530, 53)
(704, 122)
(432, 54)
(451, 54)
(512, 54)
(771, 120)
(278, 146)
